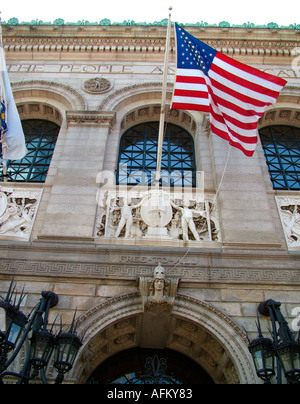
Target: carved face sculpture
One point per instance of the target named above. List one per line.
(159, 284)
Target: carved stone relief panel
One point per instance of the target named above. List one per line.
(157, 215)
(18, 209)
(289, 212)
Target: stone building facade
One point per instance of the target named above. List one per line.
(185, 279)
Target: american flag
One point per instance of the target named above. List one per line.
(234, 94)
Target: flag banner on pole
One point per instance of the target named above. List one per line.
(12, 136)
(234, 94)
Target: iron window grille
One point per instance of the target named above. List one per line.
(281, 146)
(40, 137)
(138, 156)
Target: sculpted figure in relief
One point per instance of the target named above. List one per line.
(158, 293)
(16, 216)
(158, 286)
(187, 221)
(126, 217)
(291, 219)
(156, 215)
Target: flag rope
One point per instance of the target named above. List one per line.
(2, 134)
(212, 205)
(223, 174)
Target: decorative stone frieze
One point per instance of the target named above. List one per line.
(90, 117)
(139, 39)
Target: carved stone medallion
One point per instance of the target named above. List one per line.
(97, 85)
(156, 209)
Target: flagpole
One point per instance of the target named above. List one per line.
(4, 168)
(163, 104)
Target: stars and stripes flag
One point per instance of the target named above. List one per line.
(12, 136)
(234, 94)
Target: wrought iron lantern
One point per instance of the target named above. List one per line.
(262, 351)
(15, 322)
(43, 342)
(281, 354)
(41, 348)
(288, 353)
(68, 345)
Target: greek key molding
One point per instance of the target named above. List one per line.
(131, 272)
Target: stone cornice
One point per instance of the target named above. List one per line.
(145, 39)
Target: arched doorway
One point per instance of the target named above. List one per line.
(149, 366)
(195, 329)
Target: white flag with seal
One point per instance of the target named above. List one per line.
(12, 135)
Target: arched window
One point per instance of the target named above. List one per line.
(41, 137)
(138, 156)
(281, 146)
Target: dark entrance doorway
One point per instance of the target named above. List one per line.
(149, 366)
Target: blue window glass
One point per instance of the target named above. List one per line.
(138, 156)
(41, 137)
(281, 146)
